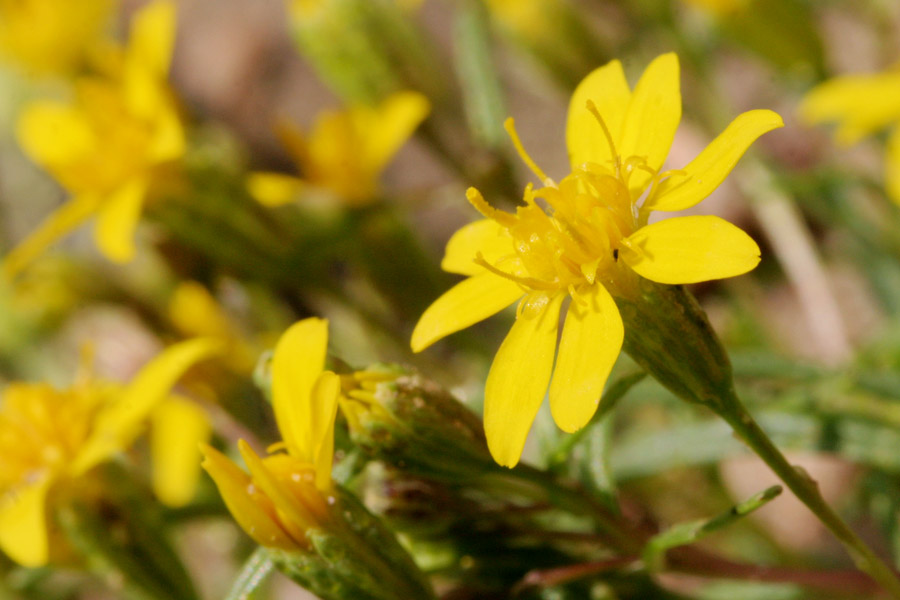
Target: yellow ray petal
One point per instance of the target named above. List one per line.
(591, 340)
(714, 163)
(253, 511)
(168, 141)
(485, 236)
(607, 88)
(324, 399)
(518, 380)
(118, 219)
(652, 118)
(178, 427)
(152, 36)
(273, 484)
(297, 363)
(63, 220)
(690, 250)
(394, 121)
(862, 104)
(274, 189)
(51, 133)
(23, 523)
(468, 302)
(119, 422)
(892, 165)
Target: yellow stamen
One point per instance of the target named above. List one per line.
(477, 200)
(527, 282)
(510, 126)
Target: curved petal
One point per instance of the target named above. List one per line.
(23, 523)
(324, 400)
(652, 118)
(117, 221)
(63, 220)
(392, 124)
(297, 363)
(120, 421)
(706, 172)
(518, 380)
(862, 104)
(690, 250)
(892, 165)
(252, 509)
(178, 427)
(468, 302)
(274, 189)
(591, 340)
(607, 88)
(485, 236)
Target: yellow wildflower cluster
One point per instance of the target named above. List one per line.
(52, 438)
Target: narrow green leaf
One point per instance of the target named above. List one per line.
(688, 533)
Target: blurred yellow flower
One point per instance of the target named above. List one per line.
(52, 36)
(346, 151)
(861, 105)
(51, 437)
(105, 145)
(587, 245)
(285, 494)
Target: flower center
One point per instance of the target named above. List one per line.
(569, 233)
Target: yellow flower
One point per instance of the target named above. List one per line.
(51, 36)
(346, 151)
(51, 437)
(588, 244)
(286, 493)
(861, 105)
(105, 145)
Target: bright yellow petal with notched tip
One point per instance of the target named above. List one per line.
(486, 237)
(517, 381)
(117, 221)
(274, 189)
(892, 165)
(652, 118)
(253, 511)
(607, 88)
(51, 133)
(468, 302)
(23, 523)
(391, 125)
(63, 220)
(297, 363)
(690, 250)
(714, 163)
(591, 340)
(178, 427)
(120, 422)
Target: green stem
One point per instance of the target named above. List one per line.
(807, 491)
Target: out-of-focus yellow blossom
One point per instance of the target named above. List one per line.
(52, 36)
(50, 438)
(195, 312)
(106, 145)
(587, 245)
(345, 152)
(285, 494)
(861, 105)
(526, 17)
